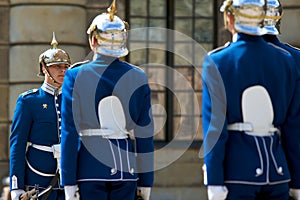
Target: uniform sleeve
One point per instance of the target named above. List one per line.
(291, 138)
(143, 132)
(213, 119)
(20, 129)
(69, 134)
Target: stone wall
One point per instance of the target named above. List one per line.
(4, 86)
(28, 40)
(290, 23)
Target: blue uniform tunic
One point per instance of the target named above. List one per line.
(93, 158)
(293, 150)
(233, 157)
(36, 121)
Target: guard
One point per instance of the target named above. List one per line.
(35, 132)
(249, 103)
(107, 126)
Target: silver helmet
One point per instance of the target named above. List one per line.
(111, 33)
(273, 17)
(53, 56)
(249, 15)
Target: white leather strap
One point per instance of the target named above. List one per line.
(37, 171)
(240, 127)
(96, 132)
(41, 147)
(105, 133)
(247, 127)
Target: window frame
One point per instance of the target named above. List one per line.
(169, 59)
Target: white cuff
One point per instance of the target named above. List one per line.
(216, 192)
(295, 193)
(15, 194)
(71, 192)
(144, 192)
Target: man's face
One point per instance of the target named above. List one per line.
(57, 71)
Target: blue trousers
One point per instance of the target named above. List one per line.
(56, 195)
(258, 192)
(107, 190)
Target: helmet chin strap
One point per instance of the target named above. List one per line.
(51, 77)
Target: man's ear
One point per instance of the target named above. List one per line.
(44, 69)
(229, 21)
(230, 17)
(94, 41)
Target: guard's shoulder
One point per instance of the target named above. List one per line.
(134, 66)
(77, 64)
(227, 44)
(138, 68)
(28, 92)
(291, 46)
(280, 48)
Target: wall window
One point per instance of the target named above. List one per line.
(166, 31)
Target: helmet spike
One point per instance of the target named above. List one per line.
(112, 10)
(54, 43)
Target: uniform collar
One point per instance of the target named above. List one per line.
(51, 89)
(243, 36)
(234, 37)
(105, 58)
(272, 38)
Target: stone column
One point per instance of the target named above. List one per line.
(4, 65)
(31, 25)
(290, 24)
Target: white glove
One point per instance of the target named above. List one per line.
(15, 194)
(144, 192)
(71, 192)
(217, 192)
(295, 193)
